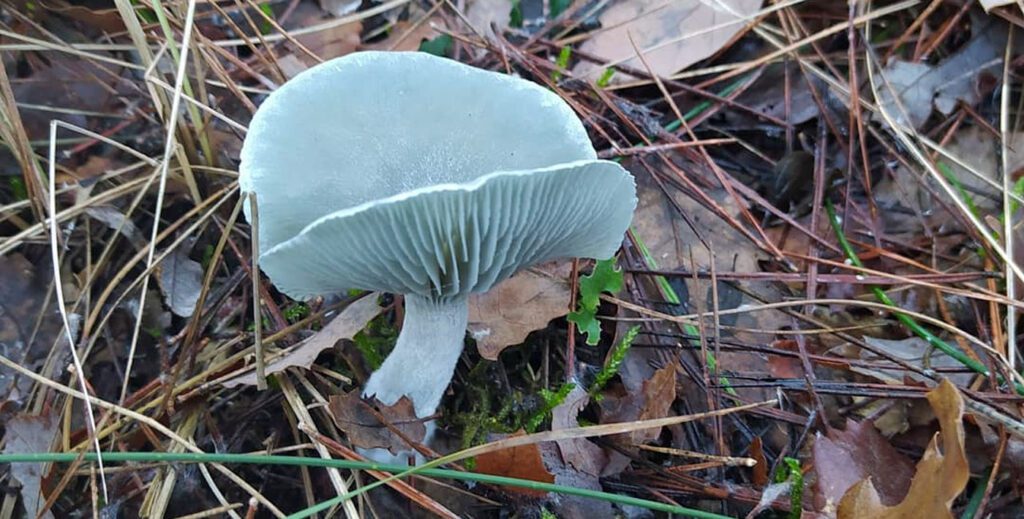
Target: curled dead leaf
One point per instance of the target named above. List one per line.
(346, 325)
(941, 474)
(364, 427)
(672, 35)
(526, 302)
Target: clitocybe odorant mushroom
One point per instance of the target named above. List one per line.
(418, 175)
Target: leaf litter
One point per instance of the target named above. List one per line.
(851, 378)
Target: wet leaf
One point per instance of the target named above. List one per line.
(116, 221)
(28, 434)
(668, 26)
(181, 280)
(960, 77)
(941, 474)
(659, 393)
(523, 461)
(346, 325)
(506, 314)
(483, 14)
(24, 289)
(353, 415)
(915, 351)
(578, 453)
(332, 42)
(845, 457)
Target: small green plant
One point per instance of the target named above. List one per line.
(515, 15)
(612, 367)
(552, 399)
(790, 471)
(296, 312)
(439, 46)
(557, 7)
(606, 77)
(18, 188)
(265, 26)
(562, 62)
(376, 340)
(547, 514)
(604, 278)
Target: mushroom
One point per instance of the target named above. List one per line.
(418, 175)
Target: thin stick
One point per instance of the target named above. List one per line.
(1011, 283)
(261, 368)
(59, 287)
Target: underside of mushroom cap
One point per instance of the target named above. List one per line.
(375, 124)
(443, 242)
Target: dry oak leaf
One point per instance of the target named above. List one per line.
(506, 314)
(346, 325)
(521, 461)
(672, 34)
(659, 394)
(846, 457)
(941, 474)
(364, 427)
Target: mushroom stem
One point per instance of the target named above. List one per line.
(423, 361)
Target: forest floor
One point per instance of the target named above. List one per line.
(815, 311)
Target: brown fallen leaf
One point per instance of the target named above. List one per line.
(405, 36)
(684, 32)
(25, 285)
(523, 462)
(329, 43)
(963, 76)
(659, 393)
(579, 454)
(29, 434)
(843, 458)
(346, 325)
(353, 415)
(481, 14)
(941, 474)
(506, 314)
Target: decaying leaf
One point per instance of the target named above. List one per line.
(845, 457)
(181, 280)
(914, 350)
(332, 42)
(364, 428)
(116, 221)
(659, 393)
(28, 434)
(482, 14)
(523, 461)
(672, 35)
(506, 314)
(406, 36)
(658, 223)
(25, 286)
(979, 150)
(577, 453)
(346, 325)
(961, 76)
(941, 474)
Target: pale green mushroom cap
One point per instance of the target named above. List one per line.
(413, 174)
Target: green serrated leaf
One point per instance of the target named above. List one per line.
(604, 278)
(439, 46)
(587, 323)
